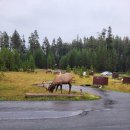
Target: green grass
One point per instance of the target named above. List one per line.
(86, 96)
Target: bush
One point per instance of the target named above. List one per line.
(128, 72)
(29, 65)
(68, 69)
(78, 70)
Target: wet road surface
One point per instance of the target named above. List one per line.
(112, 112)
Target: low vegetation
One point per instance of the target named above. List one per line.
(117, 85)
(14, 85)
(113, 84)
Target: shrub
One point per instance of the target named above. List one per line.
(68, 69)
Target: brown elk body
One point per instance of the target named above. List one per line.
(59, 80)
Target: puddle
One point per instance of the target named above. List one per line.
(84, 113)
(108, 103)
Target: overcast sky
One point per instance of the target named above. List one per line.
(65, 18)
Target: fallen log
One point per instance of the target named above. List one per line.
(31, 95)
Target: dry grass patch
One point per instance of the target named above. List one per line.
(14, 85)
(117, 85)
(83, 80)
(113, 84)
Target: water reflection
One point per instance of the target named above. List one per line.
(109, 103)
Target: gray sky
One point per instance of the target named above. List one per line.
(65, 18)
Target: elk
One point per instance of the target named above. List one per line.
(59, 80)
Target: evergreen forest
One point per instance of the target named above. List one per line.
(104, 52)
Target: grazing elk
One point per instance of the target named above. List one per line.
(59, 80)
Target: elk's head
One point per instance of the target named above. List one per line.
(51, 88)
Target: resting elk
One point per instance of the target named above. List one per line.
(60, 80)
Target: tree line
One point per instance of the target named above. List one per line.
(104, 52)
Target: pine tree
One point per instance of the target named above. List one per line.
(31, 63)
(23, 47)
(6, 60)
(34, 41)
(50, 61)
(46, 46)
(4, 40)
(40, 59)
(59, 48)
(109, 38)
(16, 41)
(17, 60)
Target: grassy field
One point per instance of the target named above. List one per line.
(117, 85)
(14, 85)
(113, 84)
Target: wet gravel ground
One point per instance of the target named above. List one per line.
(112, 112)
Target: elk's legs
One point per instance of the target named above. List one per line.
(70, 88)
(61, 88)
(57, 87)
